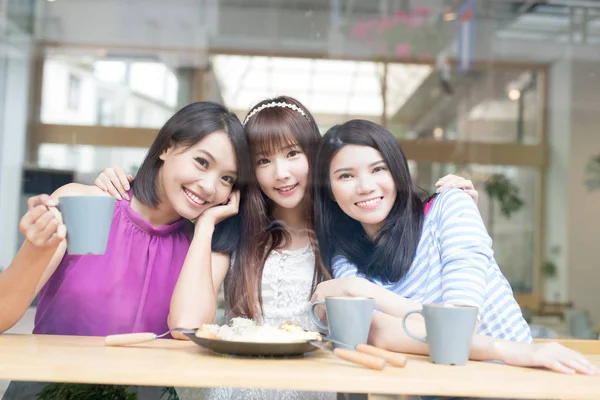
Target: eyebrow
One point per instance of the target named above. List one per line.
(208, 155)
(350, 169)
(289, 146)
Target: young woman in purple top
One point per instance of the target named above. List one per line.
(193, 171)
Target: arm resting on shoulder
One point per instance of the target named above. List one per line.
(465, 250)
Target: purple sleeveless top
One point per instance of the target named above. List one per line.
(128, 289)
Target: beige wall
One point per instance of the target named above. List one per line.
(584, 207)
(557, 193)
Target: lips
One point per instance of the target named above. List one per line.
(369, 203)
(194, 198)
(286, 189)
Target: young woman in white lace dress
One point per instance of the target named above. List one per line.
(272, 276)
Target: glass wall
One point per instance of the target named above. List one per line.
(86, 161)
(490, 105)
(393, 65)
(91, 90)
(20, 14)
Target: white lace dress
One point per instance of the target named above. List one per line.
(286, 287)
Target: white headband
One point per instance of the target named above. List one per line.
(271, 105)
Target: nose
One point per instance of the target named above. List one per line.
(365, 184)
(282, 171)
(207, 185)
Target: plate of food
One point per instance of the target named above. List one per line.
(243, 337)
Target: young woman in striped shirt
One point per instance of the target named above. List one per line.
(380, 240)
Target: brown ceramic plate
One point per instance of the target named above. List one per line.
(253, 349)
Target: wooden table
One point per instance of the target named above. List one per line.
(177, 363)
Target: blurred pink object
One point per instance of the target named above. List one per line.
(422, 11)
(403, 50)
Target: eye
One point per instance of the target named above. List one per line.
(228, 179)
(380, 168)
(202, 161)
(263, 161)
(293, 153)
(345, 176)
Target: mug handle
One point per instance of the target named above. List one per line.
(314, 318)
(420, 339)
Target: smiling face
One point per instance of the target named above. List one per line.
(199, 177)
(283, 175)
(363, 186)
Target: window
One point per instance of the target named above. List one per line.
(74, 92)
(105, 113)
(140, 116)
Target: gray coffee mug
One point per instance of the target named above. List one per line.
(88, 220)
(450, 330)
(348, 319)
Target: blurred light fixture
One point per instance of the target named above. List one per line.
(438, 132)
(51, 1)
(449, 16)
(514, 94)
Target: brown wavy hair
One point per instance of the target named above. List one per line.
(269, 130)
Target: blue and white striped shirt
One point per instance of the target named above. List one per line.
(454, 264)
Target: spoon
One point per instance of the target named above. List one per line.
(141, 337)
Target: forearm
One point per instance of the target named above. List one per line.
(19, 282)
(386, 301)
(387, 332)
(194, 300)
(487, 348)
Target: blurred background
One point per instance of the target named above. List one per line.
(505, 93)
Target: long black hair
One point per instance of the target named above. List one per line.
(186, 128)
(389, 255)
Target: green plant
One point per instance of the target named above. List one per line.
(549, 269)
(500, 189)
(593, 173)
(133, 170)
(169, 393)
(75, 391)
